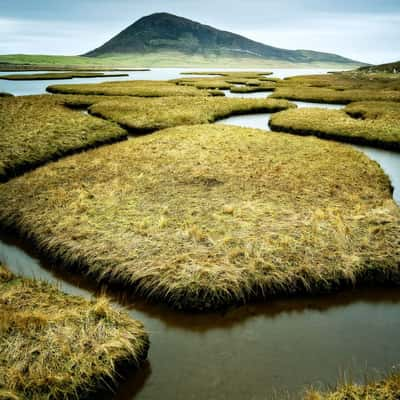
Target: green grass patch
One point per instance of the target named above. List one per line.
(340, 88)
(165, 59)
(130, 88)
(146, 115)
(56, 346)
(371, 123)
(55, 76)
(387, 389)
(37, 129)
(205, 216)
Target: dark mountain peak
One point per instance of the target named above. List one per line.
(165, 32)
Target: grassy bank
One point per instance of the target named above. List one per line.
(130, 88)
(37, 129)
(164, 59)
(371, 123)
(387, 389)
(206, 216)
(340, 88)
(55, 76)
(146, 115)
(56, 346)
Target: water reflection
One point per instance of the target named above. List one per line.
(251, 351)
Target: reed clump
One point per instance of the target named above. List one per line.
(37, 129)
(57, 346)
(130, 88)
(147, 115)
(371, 123)
(57, 75)
(206, 216)
(387, 389)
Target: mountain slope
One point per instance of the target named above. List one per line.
(163, 32)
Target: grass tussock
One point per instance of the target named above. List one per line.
(130, 88)
(5, 94)
(387, 389)
(58, 75)
(56, 346)
(37, 129)
(341, 88)
(372, 123)
(146, 115)
(250, 81)
(205, 216)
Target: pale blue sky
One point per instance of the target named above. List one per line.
(366, 30)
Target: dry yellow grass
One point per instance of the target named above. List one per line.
(372, 123)
(130, 88)
(146, 115)
(387, 389)
(56, 346)
(205, 216)
(37, 129)
(341, 88)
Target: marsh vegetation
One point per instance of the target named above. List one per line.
(57, 346)
(205, 216)
(57, 75)
(200, 216)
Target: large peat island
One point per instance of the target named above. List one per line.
(205, 216)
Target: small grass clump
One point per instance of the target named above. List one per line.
(37, 129)
(130, 88)
(340, 88)
(387, 389)
(5, 94)
(205, 216)
(147, 115)
(58, 75)
(371, 123)
(250, 81)
(57, 346)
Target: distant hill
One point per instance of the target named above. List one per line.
(161, 34)
(393, 67)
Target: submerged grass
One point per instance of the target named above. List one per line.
(57, 346)
(206, 216)
(341, 88)
(371, 123)
(146, 115)
(37, 129)
(58, 75)
(387, 389)
(130, 88)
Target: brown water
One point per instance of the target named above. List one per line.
(258, 351)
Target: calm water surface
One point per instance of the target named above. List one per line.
(39, 87)
(252, 352)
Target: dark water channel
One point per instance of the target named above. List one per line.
(258, 351)
(271, 350)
